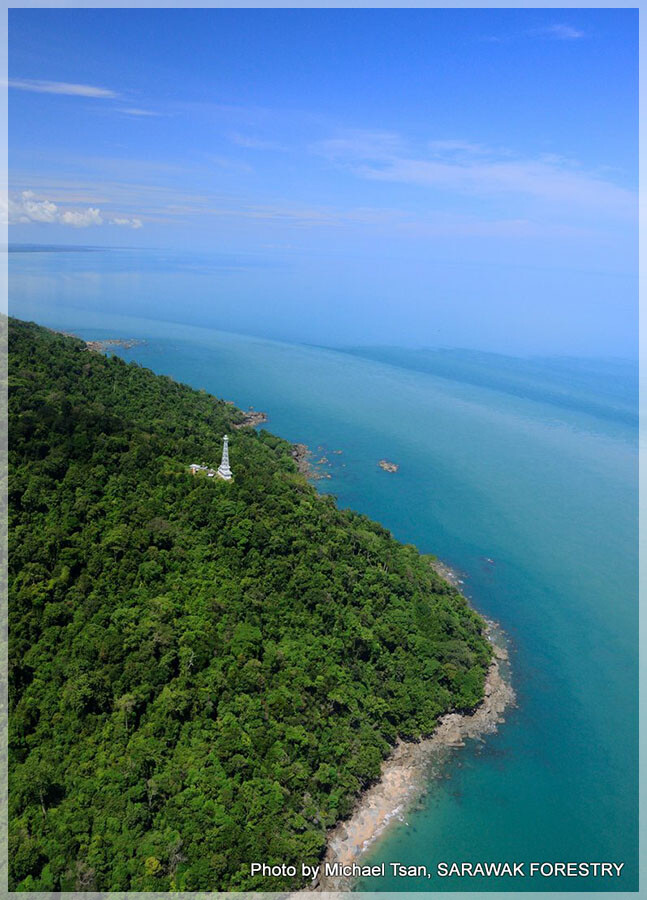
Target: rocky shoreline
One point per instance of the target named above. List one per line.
(302, 455)
(252, 417)
(448, 574)
(102, 345)
(412, 764)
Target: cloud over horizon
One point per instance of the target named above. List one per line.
(27, 209)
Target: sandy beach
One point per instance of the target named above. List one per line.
(410, 766)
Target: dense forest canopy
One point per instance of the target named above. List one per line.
(203, 674)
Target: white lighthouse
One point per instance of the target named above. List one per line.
(223, 469)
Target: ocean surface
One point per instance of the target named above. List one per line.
(520, 474)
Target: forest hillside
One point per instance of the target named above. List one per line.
(203, 673)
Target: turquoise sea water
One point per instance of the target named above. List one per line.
(499, 459)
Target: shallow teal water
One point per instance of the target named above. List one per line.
(547, 490)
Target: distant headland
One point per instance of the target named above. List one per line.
(104, 344)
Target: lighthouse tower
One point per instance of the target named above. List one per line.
(223, 469)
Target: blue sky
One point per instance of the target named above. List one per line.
(462, 176)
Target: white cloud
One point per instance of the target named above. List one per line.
(61, 87)
(81, 219)
(557, 32)
(136, 111)
(459, 168)
(27, 208)
(126, 222)
(561, 32)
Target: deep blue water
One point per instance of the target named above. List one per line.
(530, 463)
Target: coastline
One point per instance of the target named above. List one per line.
(302, 455)
(406, 772)
(103, 345)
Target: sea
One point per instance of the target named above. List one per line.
(521, 474)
